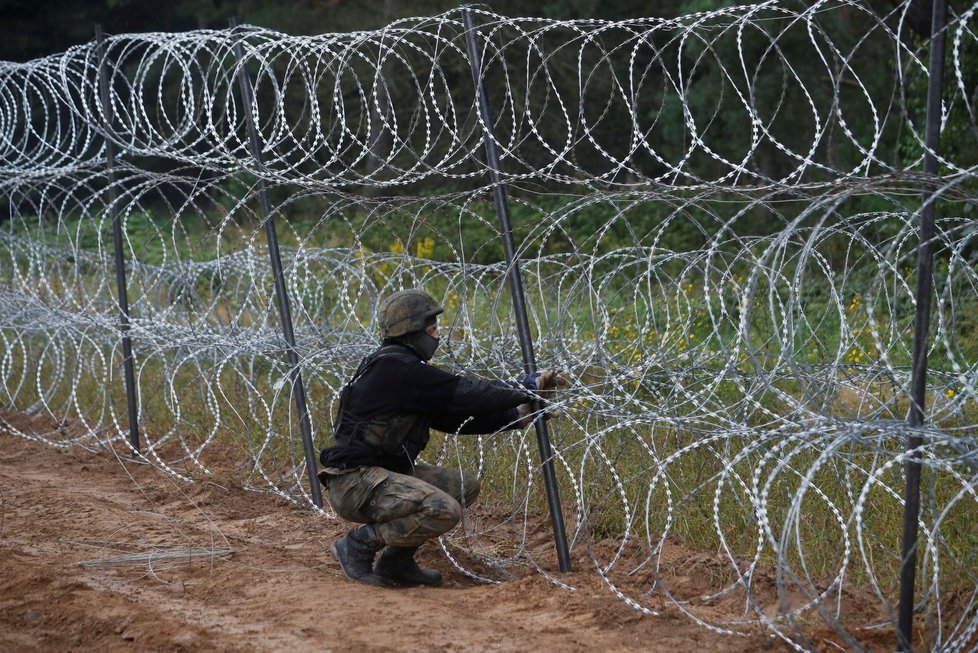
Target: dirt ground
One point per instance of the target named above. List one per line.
(280, 590)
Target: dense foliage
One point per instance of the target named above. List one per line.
(30, 29)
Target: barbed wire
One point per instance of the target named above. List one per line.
(716, 221)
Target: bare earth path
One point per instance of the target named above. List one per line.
(280, 591)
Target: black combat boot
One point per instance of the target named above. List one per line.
(356, 551)
(397, 563)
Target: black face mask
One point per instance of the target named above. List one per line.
(426, 345)
(422, 343)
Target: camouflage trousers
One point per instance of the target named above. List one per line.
(406, 509)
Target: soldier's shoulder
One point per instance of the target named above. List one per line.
(395, 356)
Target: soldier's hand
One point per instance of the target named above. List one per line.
(545, 382)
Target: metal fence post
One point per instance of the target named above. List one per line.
(281, 293)
(120, 261)
(925, 282)
(516, 290)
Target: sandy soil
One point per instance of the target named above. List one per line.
(280, 590)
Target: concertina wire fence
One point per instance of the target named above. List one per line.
(717, 237)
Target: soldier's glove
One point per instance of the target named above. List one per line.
(545, 383)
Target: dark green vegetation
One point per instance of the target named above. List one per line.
(34, 29)
(844, 72)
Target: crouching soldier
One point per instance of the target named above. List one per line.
(371, 474)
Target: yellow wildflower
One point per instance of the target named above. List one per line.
(425, 247)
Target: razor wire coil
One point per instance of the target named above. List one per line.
(737, 325)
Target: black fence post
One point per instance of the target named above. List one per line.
(120, 261)
(925, 282)
(281, 293)
(516, 290)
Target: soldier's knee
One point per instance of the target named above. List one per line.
(442, 512)
(451, 513)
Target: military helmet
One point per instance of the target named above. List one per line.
(406, 311)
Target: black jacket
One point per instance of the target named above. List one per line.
(395, 397)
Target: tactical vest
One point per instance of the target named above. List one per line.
(391, 434)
